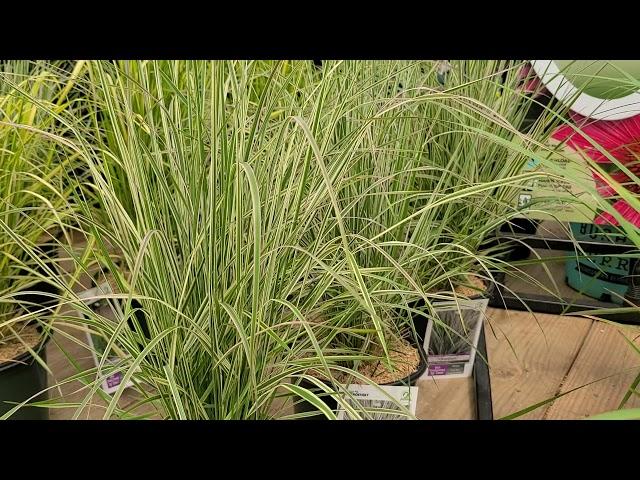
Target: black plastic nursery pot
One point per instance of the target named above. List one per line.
(522, 226)
(24, 377)
(21, 379)
(39, 296)
(140, 317)
(42, 293)
(515, 251)
(303, 406)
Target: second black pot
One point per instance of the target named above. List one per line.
(521, 226)
(42, 294)
(302, 406)
(20, 380)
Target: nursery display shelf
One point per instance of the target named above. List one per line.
(532, 358)
(586, 365)
(553, 236)
(463, 398)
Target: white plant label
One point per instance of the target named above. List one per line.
(111, 383)
(450, 355)
(374, 400)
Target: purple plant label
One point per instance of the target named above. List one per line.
(438, 369)
(114, 380)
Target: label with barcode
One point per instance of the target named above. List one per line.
(380, 405)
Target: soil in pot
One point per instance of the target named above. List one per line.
(21, 376)
(407, 357)
(476, 288)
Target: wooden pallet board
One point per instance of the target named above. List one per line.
(529, 357)
(446, 399)
(604, 354)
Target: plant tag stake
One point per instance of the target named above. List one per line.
(98, 343)
(377, 404)
(451, 352)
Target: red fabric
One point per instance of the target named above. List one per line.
(530, 82)
(621, 139)
(627, 211)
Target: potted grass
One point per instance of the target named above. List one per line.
(33, 205)
(395, 358)
(424, 200)
(485, 128)
(239, 226)
(450, 199)
(491, 105)
(221, 238)
(380, 199)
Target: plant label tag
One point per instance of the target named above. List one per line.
(380, 402)
(552, 197)
(451, 343)
(97, 343)
(111, 384)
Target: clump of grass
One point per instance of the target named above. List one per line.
(34, 184)
(265, 246)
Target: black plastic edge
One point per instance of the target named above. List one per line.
(482, 380)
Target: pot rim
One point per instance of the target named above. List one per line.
(22, 359)
(487, 293)
(409, 380)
